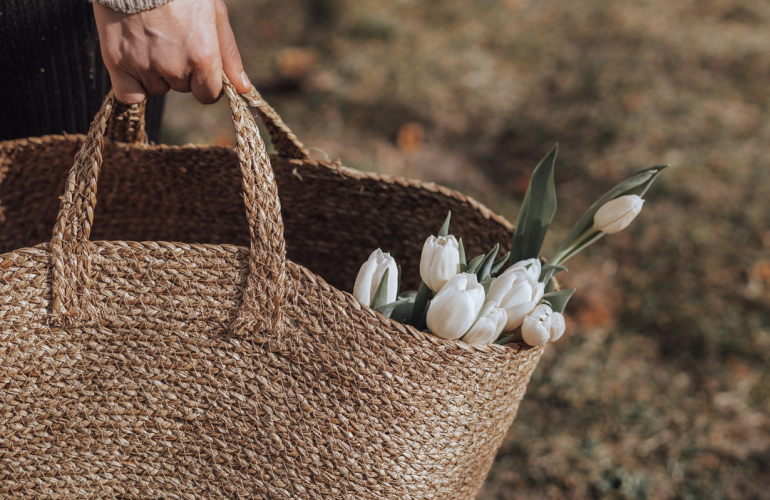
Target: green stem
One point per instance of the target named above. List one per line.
(561, 254)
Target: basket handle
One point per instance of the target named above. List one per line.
(73, 301)
(126, 124)
(284, 140)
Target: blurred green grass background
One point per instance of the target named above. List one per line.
(661, 387)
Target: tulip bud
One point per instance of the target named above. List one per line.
(517, 291)
(542, 325)
(370, 275)
(617, 214)
(440, 261)
(455, 308)
(488, 326)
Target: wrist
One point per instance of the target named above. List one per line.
(130, 6)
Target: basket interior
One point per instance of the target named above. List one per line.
(333, 217)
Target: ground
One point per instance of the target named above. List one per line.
(661, 387)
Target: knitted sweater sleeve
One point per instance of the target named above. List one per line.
(131, 6)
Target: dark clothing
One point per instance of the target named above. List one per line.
(52, 78)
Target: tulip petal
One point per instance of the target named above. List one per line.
(517, 314)
(558, 326)
(455, 308)
(500, 287)
(532, 267)
(392, 280)
(362, 288)
(518, 294)
(483, 332)
(501, 319)
(445, 264)
(426, 259)
(451, 317)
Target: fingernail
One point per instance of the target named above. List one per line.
(245, 79)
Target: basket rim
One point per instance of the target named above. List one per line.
(406, 331)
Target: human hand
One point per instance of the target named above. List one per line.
(183, 45)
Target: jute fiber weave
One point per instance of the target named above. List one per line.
(133, 367)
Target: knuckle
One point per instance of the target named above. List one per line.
(175, 77)
(202, 58)
(118, 60)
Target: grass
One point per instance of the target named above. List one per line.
(661, 387)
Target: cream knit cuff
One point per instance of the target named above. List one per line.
(131, 6)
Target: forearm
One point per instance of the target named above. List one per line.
(131, 6)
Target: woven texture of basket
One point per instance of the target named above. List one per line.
(227, 369)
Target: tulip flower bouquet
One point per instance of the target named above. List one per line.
(507, 299)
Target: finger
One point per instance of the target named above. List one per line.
(206, 81)
(179, 84)
(128, 89)
(231, 57)
(155, 85)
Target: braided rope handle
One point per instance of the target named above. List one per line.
(126, 123)
(73, 300)
(284, 140)
(261, 305)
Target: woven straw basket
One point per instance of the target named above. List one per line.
(226, 370)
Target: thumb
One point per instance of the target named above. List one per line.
(231, 57)
(128, 90)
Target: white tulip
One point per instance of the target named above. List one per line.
(440, 261)
(617, 214)
(517, 291)
(488, 326)
(454, 309)
(542, 326)
(370, 275)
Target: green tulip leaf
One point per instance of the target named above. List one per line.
(387, 309)
(582, 233)
(487, 284)
(403, 311)
(445, 226)
(408, 294)
(550, 271)
(381, 295)
(497, 267)
(463, 264)
(420, 309)
(487, 263)
(558, 300)
(536, 212)
(475, 264)
(514, 336)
